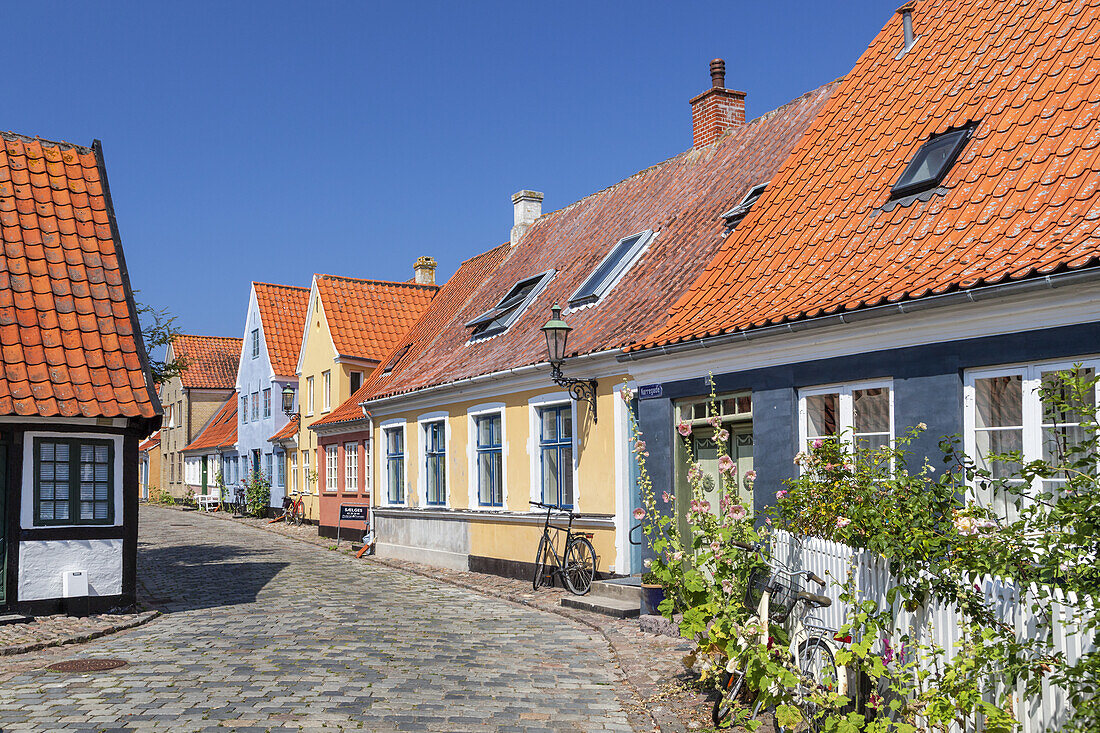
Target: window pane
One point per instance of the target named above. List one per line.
(821, 415)
(1074, 409)
(1057, 441)
(566, 481)
(871, 410)
(991, 442)
(999, 401)
(566, 425)
(549, 425)
(550, 474)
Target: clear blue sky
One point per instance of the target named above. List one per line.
(268, 141)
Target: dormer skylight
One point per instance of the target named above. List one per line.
(932, 162)
(395, 358)
(501, 316)
(734, 216)
(620, 259)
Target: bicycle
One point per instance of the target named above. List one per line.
(772, 593)
(240, 502)
(576, 565)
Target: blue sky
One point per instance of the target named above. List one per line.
(269, 141)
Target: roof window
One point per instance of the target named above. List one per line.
(393, 360)
(620, 259)
(498, 318)
(734, 216)
(932, 162)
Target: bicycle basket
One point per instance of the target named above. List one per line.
(784, 589)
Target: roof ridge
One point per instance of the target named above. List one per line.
(373, 280)
(277, 285)
(199, 336)
(10, 135)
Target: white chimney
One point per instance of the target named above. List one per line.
(527, 206)
(425, 270)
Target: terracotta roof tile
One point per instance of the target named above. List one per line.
(68, 331)
(211, 360)
(151, 442)
(287, 432)
(1020, 201)
(450, 298)
(681, 199)
(368, 317)
(221, 431)
(283, 315)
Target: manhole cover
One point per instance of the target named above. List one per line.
(87, 665)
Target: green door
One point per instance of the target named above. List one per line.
(204, 474)
(3, 524)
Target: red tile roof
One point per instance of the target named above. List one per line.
(287, 432)
(368, 317)
(681, 199)
(1022, 200)
(69, 334)
(451, 297)
(151, 442)
(211, 360)
(221, 431)
(283, 315)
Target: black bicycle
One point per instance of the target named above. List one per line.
(576, 565)
(240, 502)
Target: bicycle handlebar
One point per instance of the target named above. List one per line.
(743, 545)
(811, 576)
(563, 510)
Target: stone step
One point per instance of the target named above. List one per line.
(602, 604)
(623, 589)
(14, 618)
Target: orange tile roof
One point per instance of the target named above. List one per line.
(283, 315)
(221, 431)
(211, 360)
(368, 317)
(68, 324)
(451, 296)
(1022, 200)
(151, 442)
(681, 199)
(287, 432)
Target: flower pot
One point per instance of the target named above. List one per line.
(652, 595)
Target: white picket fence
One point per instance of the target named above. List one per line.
(833, 561)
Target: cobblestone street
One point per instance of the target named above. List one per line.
(265, 633)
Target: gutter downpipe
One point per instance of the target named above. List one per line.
(971, 295)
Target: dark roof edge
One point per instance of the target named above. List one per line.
(968, 295)
(131, 302)
(9, 135)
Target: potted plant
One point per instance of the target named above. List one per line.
(652, 594)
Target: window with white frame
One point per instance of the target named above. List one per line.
(367, 467)
(267, 467)
(395, 464)
(293, 471)
(861, 413)
(255, 343)
(556, 454)
(267, 402)
(255, 406)
(309, 395)
(351, 466)
(331, 467)
(280, 470)
(490, 460)
(435, 463)
(307, 482)
(244, 408)
(356, 381)
(326, 386)
(1004, 413)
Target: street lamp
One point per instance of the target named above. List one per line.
(557, 333)
(288, 400)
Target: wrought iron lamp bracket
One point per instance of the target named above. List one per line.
(579, 389)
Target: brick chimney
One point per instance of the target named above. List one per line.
(425, 271)
(717, 109)
(526, 207)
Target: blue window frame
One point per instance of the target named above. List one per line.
(556, 450)
(395, 464)
(490, 461)
(435, 463)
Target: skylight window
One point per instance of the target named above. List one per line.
(620, 259)
(394, 359)
(932, 162)
(498, 318)
(734, 216)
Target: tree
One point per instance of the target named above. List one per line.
(158, 329)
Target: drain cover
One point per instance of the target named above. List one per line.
(87, 665)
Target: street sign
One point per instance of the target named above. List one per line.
(353, 513)
(650, 391)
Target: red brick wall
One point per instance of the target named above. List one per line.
(713, 112)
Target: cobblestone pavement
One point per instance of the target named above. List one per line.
(263, 633)
(58, 629)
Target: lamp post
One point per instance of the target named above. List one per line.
(288, 401)
(557, 333)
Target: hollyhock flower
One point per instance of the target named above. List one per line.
(666, 497)
(750, 478)
(704, 505)
(738, 512)
(781, 494)
(727, 466)
(818, 443)
(695, 472)
(722, 435)
(684, 428)
(715, 546)
(677, 556)
(842, 522)
(921, 426)
(965, 525)
(727, 586)
(639, 447)
(639, 514)
(714, 422)
(627, 394)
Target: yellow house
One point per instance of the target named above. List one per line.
(350, 325)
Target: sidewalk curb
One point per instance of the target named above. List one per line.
(134, 620)
(639, 698)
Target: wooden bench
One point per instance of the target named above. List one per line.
(206, 501)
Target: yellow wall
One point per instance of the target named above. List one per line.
(594, 465)
(316, 358)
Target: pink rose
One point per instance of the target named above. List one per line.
(781, 494)
(818, 443)
(639, 514)
(842, 522)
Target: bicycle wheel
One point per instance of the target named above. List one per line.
(580, 565)
(542, 562)
(297, 513)
(735, 695)
(819, 672)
